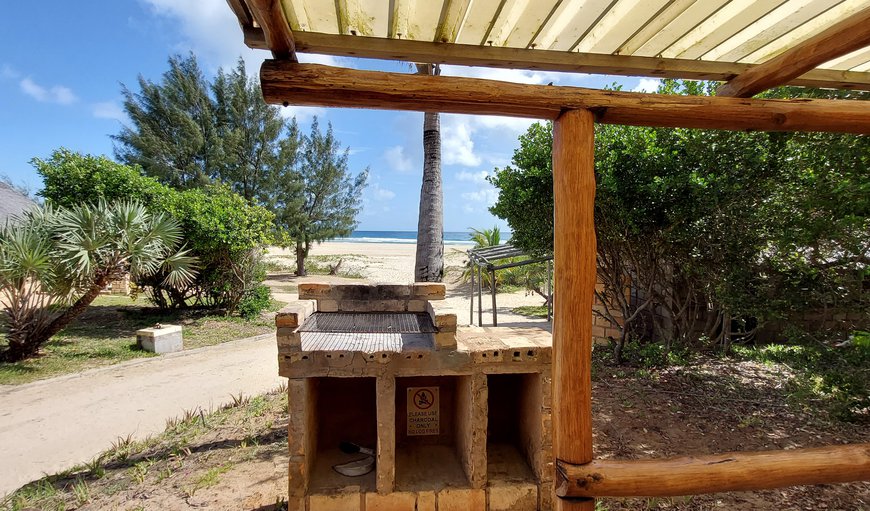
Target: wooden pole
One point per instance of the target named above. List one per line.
(471, 297)
(493, 289)
(479, 297)
(735, 471)
(315, 85)
(575, 273)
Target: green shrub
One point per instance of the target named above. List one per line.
(255, 301)
(220, 228)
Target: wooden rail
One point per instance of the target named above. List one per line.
(735, 471)
(285, 82)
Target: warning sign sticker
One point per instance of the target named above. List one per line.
(424, 416)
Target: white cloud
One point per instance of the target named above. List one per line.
(383, 193)
(647, 85)
(210, 29)
(474, 177)
(303, 114)
(487, 196)
(457, 146)
(109, 110)
(9, 73)
(398, 160)
(55, 94)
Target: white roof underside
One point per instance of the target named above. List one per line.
(742, 31)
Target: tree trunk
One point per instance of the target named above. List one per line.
(301, 252)
(20, 351)
(429, 266)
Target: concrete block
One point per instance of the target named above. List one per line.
(397, 501)
(445, 340)
(294, 314)
(428, 290)
(393, 291)
(288, 340)
(335, 502)
(425, 501)
(297, 477)
(166, 339)
(417, 305)
(461, 499)
(313, 290)
(445, 322)
(513, 497)
(296, 504)
(327, 306)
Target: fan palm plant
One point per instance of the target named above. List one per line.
(54, 262)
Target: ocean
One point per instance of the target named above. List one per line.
(450, 237)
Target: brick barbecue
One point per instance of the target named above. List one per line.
(457, 418)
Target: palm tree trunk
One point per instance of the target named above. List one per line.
(34, 341)
(429, 265)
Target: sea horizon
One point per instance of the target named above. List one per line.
(363, 236)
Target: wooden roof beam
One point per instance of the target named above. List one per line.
(316, 85)
(545, 60)
(269, 15)
(845, 37)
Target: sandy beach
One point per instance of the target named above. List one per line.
(394, 263)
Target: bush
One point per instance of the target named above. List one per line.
(220, 228)
(71, 178)
(255, 301)
(227, 235)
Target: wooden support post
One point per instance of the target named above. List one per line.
(471, 298)
(479, 297)
(493, 289)
(574, 259)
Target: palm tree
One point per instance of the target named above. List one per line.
(54, 262)
(429, 265)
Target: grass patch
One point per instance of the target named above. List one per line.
(531, 311)
(186, 458)
(835, 378)
(106, 334)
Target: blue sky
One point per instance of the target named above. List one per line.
(63, 63)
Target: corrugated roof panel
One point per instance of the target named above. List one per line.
(424, 19)
(453, 16)
(807, 30)
(686, 21)
(849, 61)
(725, 31)
(478, 20)
(665, 17)
(322, 17)
(778, 22)
(621, 22)
(507, 18)
(529, 23)
(570, 22)
(730, 19)
(369, 17)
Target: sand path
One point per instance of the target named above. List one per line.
(52, 425)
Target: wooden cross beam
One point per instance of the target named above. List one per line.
(285, 82)
(845, 37)
(269, 15)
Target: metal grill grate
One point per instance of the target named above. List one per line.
(369, 322)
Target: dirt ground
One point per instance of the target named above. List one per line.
(237, 458)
